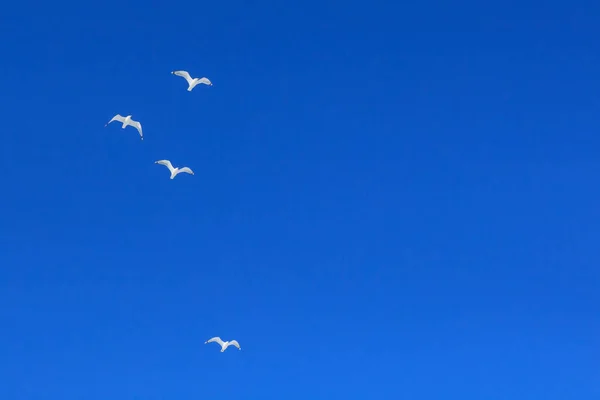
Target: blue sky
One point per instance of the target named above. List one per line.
(401, 199)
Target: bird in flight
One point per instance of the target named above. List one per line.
(223, 344)
(174, 171)
(192, 82)
(127, 121)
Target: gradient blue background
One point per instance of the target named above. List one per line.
(390, 201)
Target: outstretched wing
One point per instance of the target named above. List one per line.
(235, 343)
(117, 117)
(166, 163)
(184, 74)
(216, 339)
(137, 126)
(206, 81)
(187, 170)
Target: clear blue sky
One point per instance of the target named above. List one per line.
(402, 199)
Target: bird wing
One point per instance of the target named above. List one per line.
(206, 81)
(117, 117)
(137, 125)
(187, 170)
(185, 75)
(235, 343)
(166, 163)
(215, 339)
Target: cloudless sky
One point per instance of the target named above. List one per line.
(391, 200)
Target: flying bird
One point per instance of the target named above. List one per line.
(192, 82)
(127, 121)
(174, 171)
(223, 344)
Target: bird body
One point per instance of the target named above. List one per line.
(192, 82)
(174, 171)
(127, 121)
(224, 345)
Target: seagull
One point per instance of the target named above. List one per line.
(127, 121)
(223, 344)
(174, 171)
(192, 82)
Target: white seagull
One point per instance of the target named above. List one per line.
(127, 121)
(192, 82)
(174, 171)
(223, 344)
